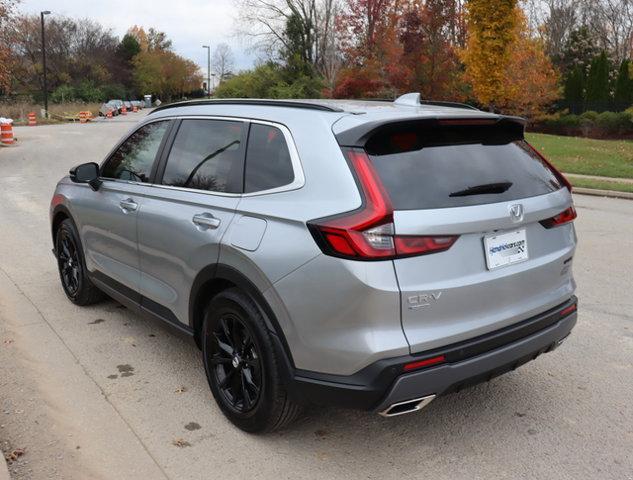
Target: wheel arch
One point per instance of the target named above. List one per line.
(60, 213)
(212, 280)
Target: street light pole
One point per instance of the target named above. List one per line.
(46, 12)
(208, 69)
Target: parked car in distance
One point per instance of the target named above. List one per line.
(117, 103)
(108, 107)
(369, 255)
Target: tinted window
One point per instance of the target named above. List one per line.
(437, 167)
(268, 163)
(133, 160)
(206, 155)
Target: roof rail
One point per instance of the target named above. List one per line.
(415, 100)
(248, 101)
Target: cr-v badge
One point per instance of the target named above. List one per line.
(423, 300)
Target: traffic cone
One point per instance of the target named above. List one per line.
(123, 110)
(134, 108)
(32, 119)
(6, 132)
(109, 114)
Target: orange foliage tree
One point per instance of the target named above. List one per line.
(507, 69)
(394, 46)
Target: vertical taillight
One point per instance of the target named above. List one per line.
(368, 233)
(561, 178)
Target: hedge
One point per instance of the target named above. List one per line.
(588, 124)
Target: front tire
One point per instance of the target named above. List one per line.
(241, 365)
(72, 266)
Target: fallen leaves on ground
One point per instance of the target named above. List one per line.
(13, 455)
(180, 443)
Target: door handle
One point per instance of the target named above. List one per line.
(206, 220)
(128, 205)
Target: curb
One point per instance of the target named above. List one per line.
(603, 193)
(4, 470)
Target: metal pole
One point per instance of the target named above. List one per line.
(44, 64)
(208, 69)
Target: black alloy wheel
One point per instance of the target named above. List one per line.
(69, 263)
(236, 363)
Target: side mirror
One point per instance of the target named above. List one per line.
(86, 173)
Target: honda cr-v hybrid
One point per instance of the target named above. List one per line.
(371, 255)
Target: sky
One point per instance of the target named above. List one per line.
(188, 23)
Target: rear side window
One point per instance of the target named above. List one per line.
(435, 166)
(206, 155)
(134, 159)
(268, 163)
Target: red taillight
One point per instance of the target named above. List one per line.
(368, 233)
(555, 171)
(424, 363)
(562, 218)
(567, 310)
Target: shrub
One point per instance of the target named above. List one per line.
(62, 94)
(113, 91)
(614, 123)
(89, 92)
(589, 115)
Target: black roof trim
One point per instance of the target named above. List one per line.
(247, 101)
(359, 135)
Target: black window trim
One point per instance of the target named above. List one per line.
(297, 167)
(157, 157)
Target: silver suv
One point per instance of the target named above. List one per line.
(371, 255)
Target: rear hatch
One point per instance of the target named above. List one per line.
(503, 212)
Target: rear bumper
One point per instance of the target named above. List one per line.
(382, 384)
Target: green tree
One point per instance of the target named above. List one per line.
(574, 90)
(623, 95)
(128, 48)
(598, 92)
(269, 80)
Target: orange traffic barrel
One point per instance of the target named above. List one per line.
(82, 117)
(123, 110)
(109, 114)
(32, 119)
(6, 133)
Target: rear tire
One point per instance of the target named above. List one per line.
(72, 266)
(242, 366)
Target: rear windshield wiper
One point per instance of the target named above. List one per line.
(483, 189)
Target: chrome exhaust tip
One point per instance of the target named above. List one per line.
(408, 406)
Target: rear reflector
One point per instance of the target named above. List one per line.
(562, 218)
(567, 310)
(369, 233)
(424, 363)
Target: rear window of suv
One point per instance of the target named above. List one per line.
(425, 166)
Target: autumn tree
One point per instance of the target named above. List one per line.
(491, 33)
(166, 74)
(6, 37)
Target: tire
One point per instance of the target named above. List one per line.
(242, 366)
(72, 266)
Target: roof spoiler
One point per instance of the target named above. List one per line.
(359, 135)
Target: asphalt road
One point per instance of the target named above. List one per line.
(101, 393)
